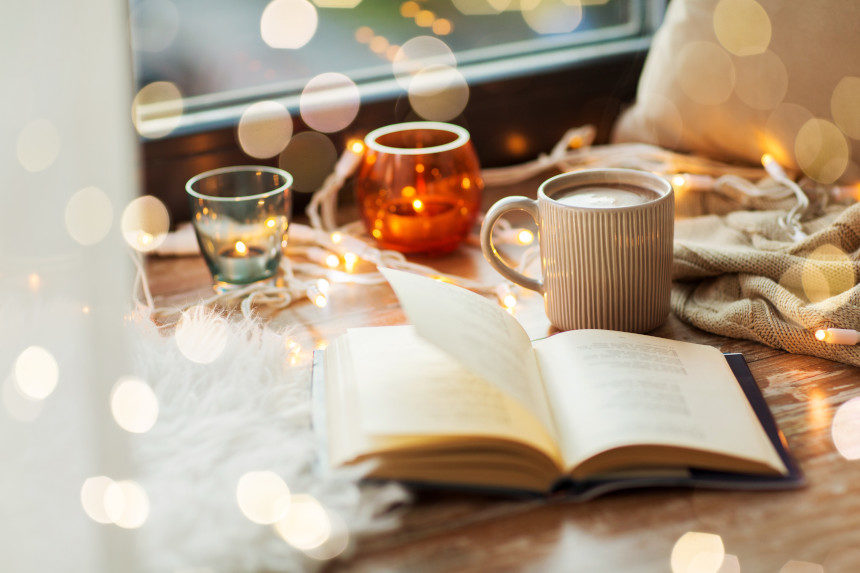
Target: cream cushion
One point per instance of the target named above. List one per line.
(734, 79)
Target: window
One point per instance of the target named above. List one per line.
(224, 55)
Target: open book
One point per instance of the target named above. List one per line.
(464, 398)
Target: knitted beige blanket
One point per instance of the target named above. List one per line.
(740, 275)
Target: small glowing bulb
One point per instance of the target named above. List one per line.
(332, 261)
(323, 285)
(241, 248)
(418, 205)
(575, 142)
(356, 146)
(349, 261)
(377, 234)
(144, 238)
(336, 237)
(525, 237)
(679, 182)
(85, 309)
(821, 334)
(270, 222)
(34, 282)
(465, 183)
(510, 301)
(767, 159)
(320, 300)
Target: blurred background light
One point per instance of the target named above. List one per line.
(89, 215)
(264, 129)
(145, 223)
(134, 405)
(263, 497)
(38, 145)
(36, 373)
(288, 24)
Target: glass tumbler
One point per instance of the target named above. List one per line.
(240, 216)
(419, 186)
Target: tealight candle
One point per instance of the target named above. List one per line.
(240, 217)
(419, 186)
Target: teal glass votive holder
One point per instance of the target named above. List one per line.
(240, 216)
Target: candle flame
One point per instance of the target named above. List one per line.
(821, 335)
(270, 222)
(418, 205)
(419, 168)
(241, 248)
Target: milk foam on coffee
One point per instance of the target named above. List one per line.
(594, 196)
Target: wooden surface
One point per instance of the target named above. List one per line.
(633, 531)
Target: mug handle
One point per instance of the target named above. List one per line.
(489, 249)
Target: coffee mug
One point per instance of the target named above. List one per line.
(605, 244)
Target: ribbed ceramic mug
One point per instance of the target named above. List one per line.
(605, 267)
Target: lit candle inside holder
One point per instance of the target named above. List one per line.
(240, 217)
(845, 336)
(243, 262)
(419, 186)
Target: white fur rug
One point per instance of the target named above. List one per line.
(246, 410)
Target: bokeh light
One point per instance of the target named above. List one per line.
(154, 25)
(705, 73)
(89, 215)
(845, 106)
(762, 80)
(409, 9)
(157, 109)
(364, 34)
(265, 129)
(306, 525)
(697, 552)
(801, 567)
(38, 145)
(821, 150)
(661, 119)
(329, 102)
(337, 540)
(780, 130)
(288, 24)
(442, 27)
(263, 497)
(742, 26)
(134, 405)
(342, 4)
(309, 158)
(145, 223)
(419, 53)
(845, 429)
(126, 504)
(552, 16)
(93, 498)
(827, 272)
(481, 7)
(36, 373)
(201, 336)
(438, 93)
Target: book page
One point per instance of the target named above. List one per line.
(480, 335)
(408, 387)
(611, 389)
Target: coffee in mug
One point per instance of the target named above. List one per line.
(606, 248)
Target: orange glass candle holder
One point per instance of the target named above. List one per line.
(419, 186)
